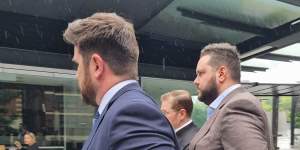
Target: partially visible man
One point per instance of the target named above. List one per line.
(177, 106)
(236, 120)
(106, 52)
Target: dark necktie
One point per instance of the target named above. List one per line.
(96, 117)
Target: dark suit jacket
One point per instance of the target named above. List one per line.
(33, 147)
(239, 123)
(186, 134)
(131, 121)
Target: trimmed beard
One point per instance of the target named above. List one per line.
(209, 94)
(88, 94)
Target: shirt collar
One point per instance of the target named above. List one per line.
(110, 93)
(221, 97)
(184, 125)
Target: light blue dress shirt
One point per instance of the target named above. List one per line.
(214, 105)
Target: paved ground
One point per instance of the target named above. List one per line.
(284, 143)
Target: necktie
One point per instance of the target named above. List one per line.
(96, 117)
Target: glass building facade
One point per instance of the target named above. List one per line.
(44, 101)
(47, 101)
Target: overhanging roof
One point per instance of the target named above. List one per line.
(168, 30)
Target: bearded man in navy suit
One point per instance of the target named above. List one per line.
(106, 52)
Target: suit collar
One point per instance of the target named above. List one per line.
(191, 124)
(129, 87)
(205, 128)
(216, 103)
(229, 96)
(111, 92)
(223, 95)
(183, 126)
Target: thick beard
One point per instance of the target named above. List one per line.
(210, 94)
(87, 92)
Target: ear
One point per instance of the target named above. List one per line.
(182, 114)
(222, 74)
(97, 65)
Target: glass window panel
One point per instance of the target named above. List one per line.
(46, 102)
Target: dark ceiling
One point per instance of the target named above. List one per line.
(170, 32)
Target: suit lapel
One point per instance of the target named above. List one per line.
(205, 128)
(129, 87)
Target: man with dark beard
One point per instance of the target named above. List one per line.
(236, 120)
(106, 52)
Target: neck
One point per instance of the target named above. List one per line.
(107, 83)
(226, 85)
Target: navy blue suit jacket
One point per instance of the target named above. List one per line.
(131, 120)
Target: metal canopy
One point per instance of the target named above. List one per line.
(167, 30)
(264, 89)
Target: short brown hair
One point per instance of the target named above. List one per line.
(224, 54)
(179, 99)
(109, 35)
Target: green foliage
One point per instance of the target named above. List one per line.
(199, 113)
(266, 106)
(297, 120)
(285, 104)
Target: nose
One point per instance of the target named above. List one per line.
(196, 80)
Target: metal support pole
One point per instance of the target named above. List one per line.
(293, 117)
(275, 119)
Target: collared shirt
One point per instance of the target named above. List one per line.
(184, 125)
(215, 104)
(110, 93)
